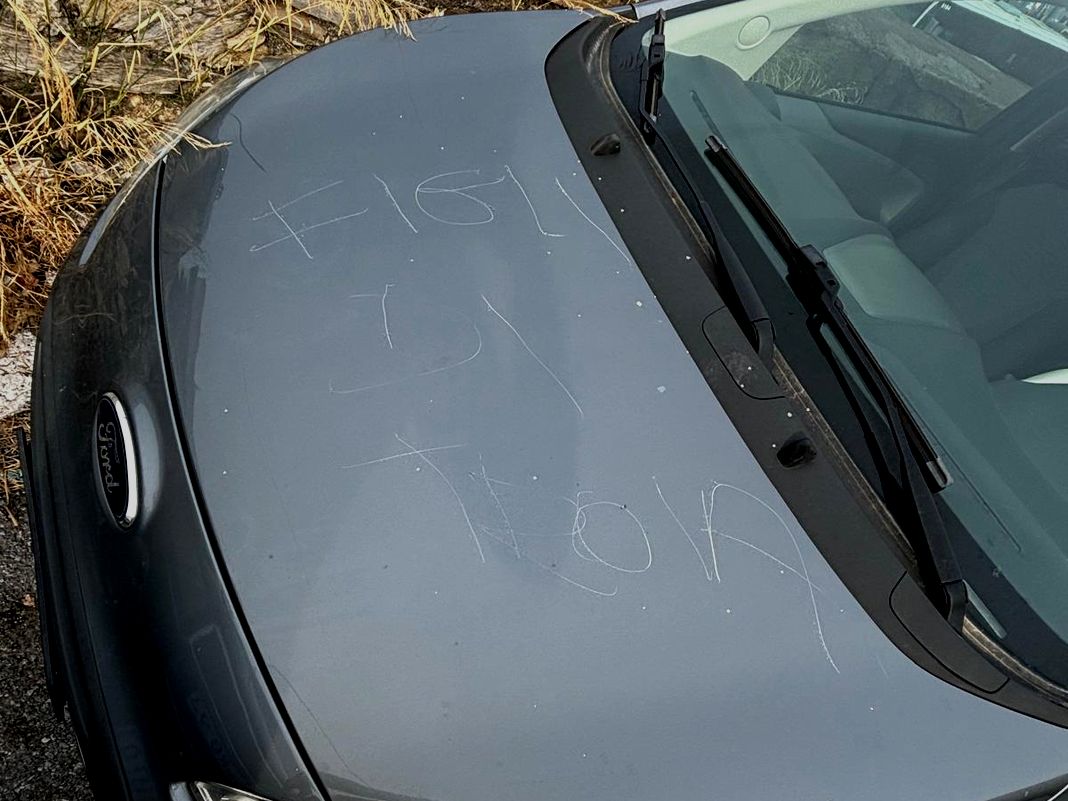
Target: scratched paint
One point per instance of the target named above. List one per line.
(523, 552)
(298, 236)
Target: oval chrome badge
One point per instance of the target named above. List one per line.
(116, 467)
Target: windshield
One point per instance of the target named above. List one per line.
(922, 149)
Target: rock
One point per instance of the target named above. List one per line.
(16, 367)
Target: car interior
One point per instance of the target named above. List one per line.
(950, 245)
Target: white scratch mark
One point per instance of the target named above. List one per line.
(881, 666)
(289, 228)
(570, 533)
(396, 205)
(577, 538)
(514, 544)
(353, 390)
(801, 558)
(385, 317)
(452, 489)
(462, 191)
(578, 524)
(500, 507)
(297, 199)
(438, 190)
(707, 505)
(544, 366)
(530, 205)
(506, 483)
(303, 230)
(611, 241)
(552, 570)
(574, 583)
(402, 456)
(782, 565)
(708, 573)
(82, 317)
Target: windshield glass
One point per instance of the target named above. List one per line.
(922, 149)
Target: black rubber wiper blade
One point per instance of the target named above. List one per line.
(907, 455)
(724, 160)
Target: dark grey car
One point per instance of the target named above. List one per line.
(535, 411)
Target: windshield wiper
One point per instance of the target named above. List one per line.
(906, 454)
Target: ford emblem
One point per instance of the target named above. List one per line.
(116, 466)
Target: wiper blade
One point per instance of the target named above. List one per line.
(907, 455)
(761, 333)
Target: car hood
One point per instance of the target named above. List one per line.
(492, 533)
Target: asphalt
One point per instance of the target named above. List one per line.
(39, 759)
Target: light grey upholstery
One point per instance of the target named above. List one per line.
(1005, 274)
(886, 284)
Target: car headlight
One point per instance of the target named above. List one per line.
(207, 791)
(222, 92)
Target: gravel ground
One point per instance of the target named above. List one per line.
(38, 757)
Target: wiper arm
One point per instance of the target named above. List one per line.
(653, 77)
(907, 455)
(760, 333)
